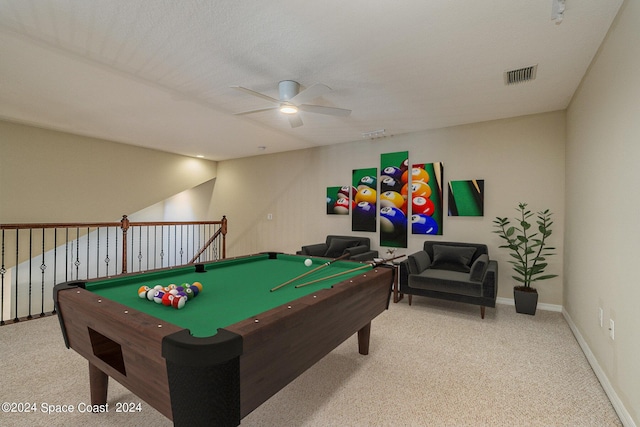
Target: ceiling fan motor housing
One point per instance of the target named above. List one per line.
(288, 89)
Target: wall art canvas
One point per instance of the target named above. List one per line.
(393, 207)
(424, 189)
(366, 199)
(466, 198)
(340, 200)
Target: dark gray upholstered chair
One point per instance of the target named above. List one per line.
(452, 271)
(358, 248)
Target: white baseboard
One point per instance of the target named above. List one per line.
(622, 412)
(541, 306)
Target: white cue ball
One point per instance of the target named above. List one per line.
(308, 262)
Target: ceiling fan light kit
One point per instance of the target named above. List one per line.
(292, 100)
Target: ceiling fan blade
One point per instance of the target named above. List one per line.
(310, 93)
(254, 93)
(331, 111)
(295, 120)
(254, 111)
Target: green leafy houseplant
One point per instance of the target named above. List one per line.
(528, 247)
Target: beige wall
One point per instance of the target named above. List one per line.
(520, 159)
(603, 206)
(49, 176)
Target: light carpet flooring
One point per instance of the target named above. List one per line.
(434, 363)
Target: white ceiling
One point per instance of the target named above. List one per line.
(157, 73)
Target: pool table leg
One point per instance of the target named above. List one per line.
(98, 383)
(363, 339)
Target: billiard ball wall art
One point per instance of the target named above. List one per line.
(365, 185)
(424, 189)
(393, 205)
(404, 196)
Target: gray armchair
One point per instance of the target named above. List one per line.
(358, 248)
(452, 271)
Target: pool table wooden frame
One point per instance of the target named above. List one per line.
(216, 380)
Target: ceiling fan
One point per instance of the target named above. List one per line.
(292, 100)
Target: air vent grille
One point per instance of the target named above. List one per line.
(520, 75)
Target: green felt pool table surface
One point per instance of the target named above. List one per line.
(233, 289)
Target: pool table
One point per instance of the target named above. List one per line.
(231, 347)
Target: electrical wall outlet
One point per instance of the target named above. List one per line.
(601, 316)
(612, 329)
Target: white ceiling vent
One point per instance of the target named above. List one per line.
(520, 75)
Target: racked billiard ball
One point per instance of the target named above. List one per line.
(179, 301)
(157, 296)
(142, 291)
(189, 293)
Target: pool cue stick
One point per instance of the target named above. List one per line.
(309, 272)
(372, 265)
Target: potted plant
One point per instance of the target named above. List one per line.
(530, 250)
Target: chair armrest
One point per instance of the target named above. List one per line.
(357, 250)
(490, 282)
(479, 268)
(318, 249)
(365, 256)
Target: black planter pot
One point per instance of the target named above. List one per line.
(526, 300)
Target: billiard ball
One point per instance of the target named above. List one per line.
(308, 262)
(390, 184)
(167, 298)
(391, 199)
(366, 194)
(422, 205)
(405, 165)
(419, 174)
(364, 211)
(150, 294)
(198, 285)
(172, 286)
(157, 287)
(420, 189)
(367, 181)
(392, 171)
(142, 291)
(157, 296)
(195, 291)
(423, 224)
(392, 220)
(347, 192)
(341, 207)
(189, 293)
(179, 302)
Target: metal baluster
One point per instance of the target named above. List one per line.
(139, 248)
(77, 262)
(106, 260)
(55, 261)
(16, 269)
(2, 272)
(43, 267)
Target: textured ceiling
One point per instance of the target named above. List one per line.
(158, 73)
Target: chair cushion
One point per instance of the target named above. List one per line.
(454, 258)
(419, 262)
(479, 267)
(338, 246)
